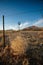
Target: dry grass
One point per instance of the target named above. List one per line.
(19, 45)
(25, 48)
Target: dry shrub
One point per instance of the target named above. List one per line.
(19, 45)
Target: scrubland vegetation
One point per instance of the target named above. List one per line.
(22, 48)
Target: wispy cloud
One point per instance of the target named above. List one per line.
(38, 23)
(1, 28)
(23, 25)
(16, 27)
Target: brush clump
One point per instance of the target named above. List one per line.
(19, 45)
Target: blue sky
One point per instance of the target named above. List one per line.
(28, 12)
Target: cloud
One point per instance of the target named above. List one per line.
(1, 28)
(7, 27)
(16, 27)
(24, 25)
(38, 23)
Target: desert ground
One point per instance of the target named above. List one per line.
(21, 48)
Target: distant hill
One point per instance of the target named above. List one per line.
(33, 28)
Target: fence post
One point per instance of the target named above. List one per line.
(3, 32)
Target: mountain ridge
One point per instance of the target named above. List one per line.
(33, 28)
